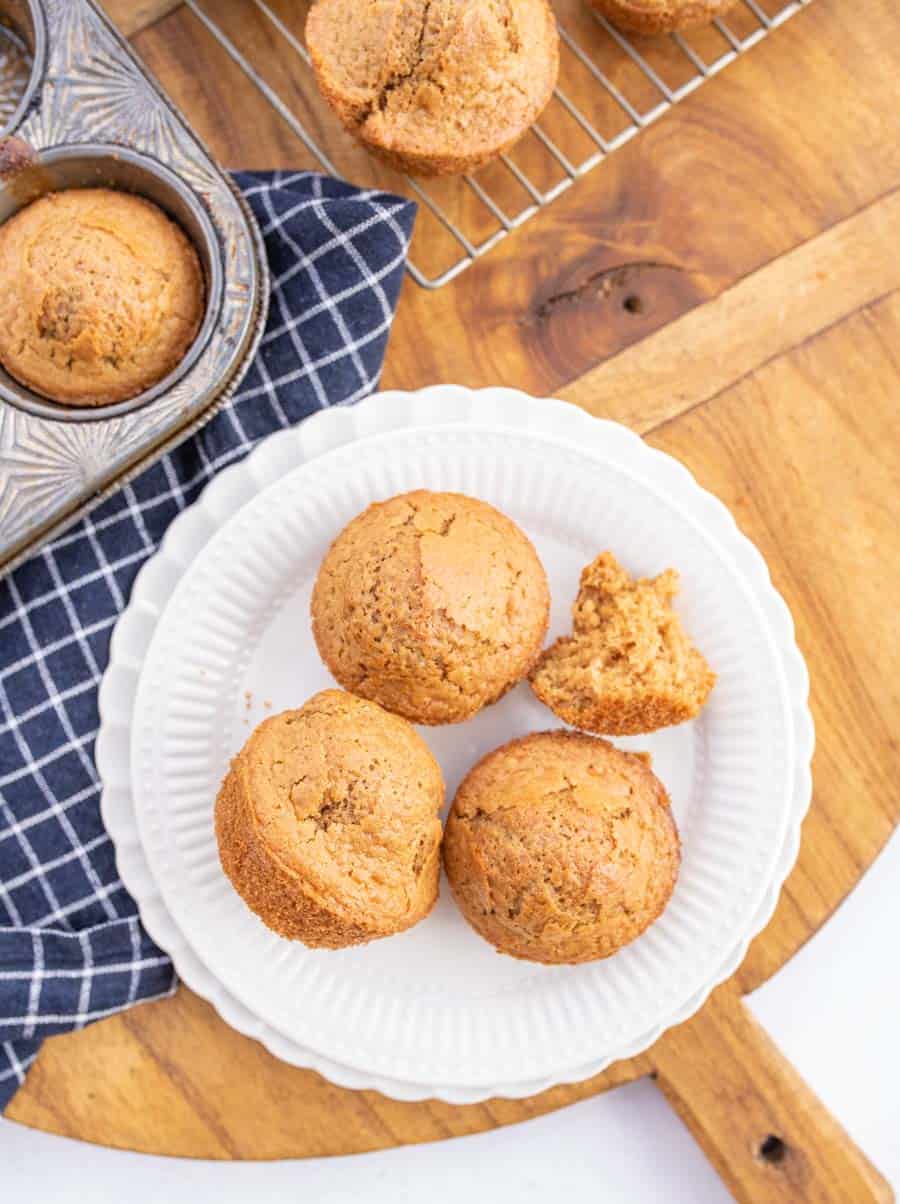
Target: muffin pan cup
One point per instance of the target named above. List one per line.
(90, 116)
(99, 166)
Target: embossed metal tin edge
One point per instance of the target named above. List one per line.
(110, 96)
(39, 56)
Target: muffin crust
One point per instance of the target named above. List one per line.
(561, 848)
(327, 822)
(431, 604)
(660, 16)
(101, 295)
(435, 86)
(629, 666)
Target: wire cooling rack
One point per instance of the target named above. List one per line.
(610, 88)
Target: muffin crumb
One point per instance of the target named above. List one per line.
(629, 666)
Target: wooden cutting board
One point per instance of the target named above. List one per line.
(753, 233)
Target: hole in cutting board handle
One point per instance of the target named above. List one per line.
(633, 304)
(773, 1150)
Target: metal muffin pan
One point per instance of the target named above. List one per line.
(23, 50)
(94, 117)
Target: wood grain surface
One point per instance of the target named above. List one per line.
(755, 225)
(764, 1131)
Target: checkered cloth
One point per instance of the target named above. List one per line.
(71, 947)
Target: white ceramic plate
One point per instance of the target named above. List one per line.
(435, 1011)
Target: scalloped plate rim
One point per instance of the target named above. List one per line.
(527, 410)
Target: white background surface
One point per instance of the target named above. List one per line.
(834, 1010)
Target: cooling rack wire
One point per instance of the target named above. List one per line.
(610, 88)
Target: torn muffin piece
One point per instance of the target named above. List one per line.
(629, 666)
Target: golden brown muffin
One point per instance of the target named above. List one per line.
(629, 666)
(432, 604)
(327, 822)
(561, 848)
(101, 295)
(435, 86)
(660, 16)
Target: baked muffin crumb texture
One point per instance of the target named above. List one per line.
(327, 822)
(435, 86)
(101, 295)
(629, 666)
(431, 604)
(561, 848)
(648, 17)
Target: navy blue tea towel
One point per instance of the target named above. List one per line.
(71, 947)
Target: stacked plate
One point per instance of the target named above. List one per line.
(217, 636)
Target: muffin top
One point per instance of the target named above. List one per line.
(442, 83)
(101, 295)
(344, 799)
(560, 847)
(432, 604)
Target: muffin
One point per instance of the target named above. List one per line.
(561, 848)
(101, 295)
(431, 604)
(660, 16)
(327, 822)
(629, 666)
(435, 87)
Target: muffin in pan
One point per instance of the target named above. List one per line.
(629, 666)
(660, 16)
(101, 296)
(327, 822)
(561, 848)
(435, 87)
(431, 604)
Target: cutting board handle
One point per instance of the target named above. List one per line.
(768, 1136)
